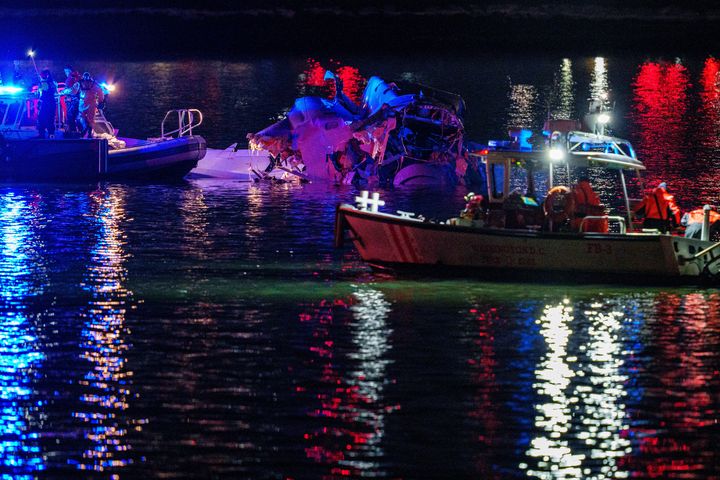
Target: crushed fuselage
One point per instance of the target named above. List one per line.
(397, 126)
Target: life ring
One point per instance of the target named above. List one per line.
(553, 211)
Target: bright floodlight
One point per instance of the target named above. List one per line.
(9, 90)
(603, 118)
(31, 53)
(556, 154)
(108, 86)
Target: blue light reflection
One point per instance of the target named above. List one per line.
(20, 355)
(107, 383)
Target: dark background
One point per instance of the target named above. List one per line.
(221, 29)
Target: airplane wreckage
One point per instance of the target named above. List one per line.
(402, 134)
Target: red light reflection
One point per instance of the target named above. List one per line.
(669, 447)
(345, 417)
(486, 413)
(353, 82)
(659, 107)
(314, 73)
(710, 110)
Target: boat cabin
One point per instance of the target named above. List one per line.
(531, 188)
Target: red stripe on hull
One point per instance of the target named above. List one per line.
(398, 243)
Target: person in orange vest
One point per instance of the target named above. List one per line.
(72, 99)
(587, 203)
(660, 210)
(693, 221)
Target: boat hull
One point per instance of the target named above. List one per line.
(169, 159)
(64, 160)
(232, 164)
(423, 174)
(389, 241)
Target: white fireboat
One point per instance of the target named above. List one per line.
(490, 246)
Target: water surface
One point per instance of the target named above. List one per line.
(209, 329)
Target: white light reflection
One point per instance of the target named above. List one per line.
(555, 457)
(599, 86)
(604, 411)
(106, 385)
(565, 108)
(583, 414)
(370, 333)
(194, 214)
(255, 220)
(523, 103)
(20, 355)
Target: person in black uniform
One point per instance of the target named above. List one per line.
(48, 105)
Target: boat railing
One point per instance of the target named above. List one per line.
(590, 145)
(703, 252)
(13, 108)
(609, 218)
(102, 124)
(187, 119)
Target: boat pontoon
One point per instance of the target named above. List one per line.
(23, 157)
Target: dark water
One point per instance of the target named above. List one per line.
(210, 330)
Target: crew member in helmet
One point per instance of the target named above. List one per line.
(48, 105)
(91, 96)
(72, 99)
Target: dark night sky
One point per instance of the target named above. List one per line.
(157, 28)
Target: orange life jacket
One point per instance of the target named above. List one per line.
(586, 200)
(660, 205)
(698, 215)
(588, 203)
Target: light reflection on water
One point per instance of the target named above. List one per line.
(583, 421)
(659, 109)
(333, 374)
(107, 385)
(523, 105)
(599, 84)
(349, 435)
(21, 356)
(556, 459)
(258, 351)
(564, 101)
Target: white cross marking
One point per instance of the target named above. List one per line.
(363, 201)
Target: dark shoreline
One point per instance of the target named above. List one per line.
(150, 37)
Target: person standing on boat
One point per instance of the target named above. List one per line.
(72, 99)
(587, 203)
(660, 210)
(91, 95)
(693, 221)
(48, 105)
